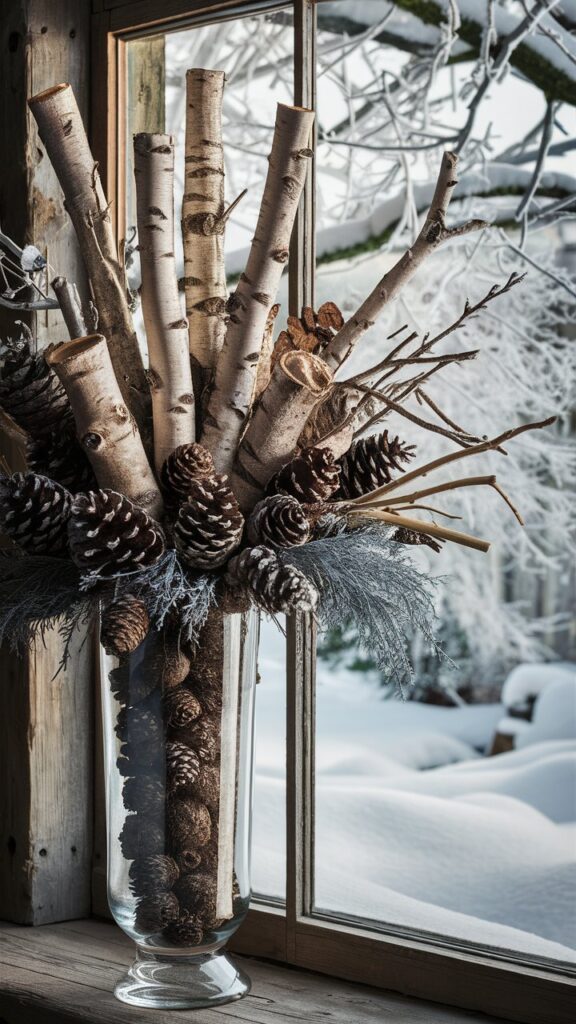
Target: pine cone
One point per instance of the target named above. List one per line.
(209, 526)
(404, 536)
(188, 860)
(189, 823)
(131, 684)
(30, 391)
(203, 736)
(209, 693)
(196, 893)
(207, 785)
(189, 462)
(59, 456)
(187, 930)
(153, 913)
(140, 837)
(182, 766)
(311, 477)
(278, 522)
(370, 463)
(144, 794)
(278, 588)
(109, 534)
(181, 707)
(140, 724)
(125, 624)
(34, 512)
(153, 874)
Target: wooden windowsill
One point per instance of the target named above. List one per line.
(61, 973)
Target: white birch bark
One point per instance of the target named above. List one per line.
(232, 396)
(105, 428)
(299, 380)
(169, 374)
(62, 132)
(203, 222)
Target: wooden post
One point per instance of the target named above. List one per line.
(46, 723)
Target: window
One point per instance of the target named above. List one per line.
(392, 814)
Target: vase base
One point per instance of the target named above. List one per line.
(183, 983)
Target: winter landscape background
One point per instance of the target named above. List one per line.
(417, 827)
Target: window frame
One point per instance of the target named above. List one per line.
(296, 934)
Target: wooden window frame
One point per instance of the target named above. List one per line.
(424, 967)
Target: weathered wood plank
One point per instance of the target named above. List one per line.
(64, 973)
(45, 725)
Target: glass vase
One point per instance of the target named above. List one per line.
(178, 744)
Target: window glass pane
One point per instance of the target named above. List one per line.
(256, 53)
(453, 812)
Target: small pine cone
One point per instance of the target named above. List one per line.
(196, 893)
(207, 785)
(278, 522)
(182, 766)
(125, 624)
(141, 837)
(109, 534)
(34, 512)
(153, 913)
(404, 536)
(188, 860)
(203, 736)
(61, 457)
(209, 855)
(278, 588)
(187, 463)
(311, 476)
(140, 724)
(181, 707)
(30, 391)
(187, 930)
(209, 693)
(144, 794)
(130, 684)
(153, 874)
(370, 463)
(209, 526)
(189, 823)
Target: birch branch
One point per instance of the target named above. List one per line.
(166, 330)
(298, 381)
(433, 234)
(264, 371)
(105, 428)
(231, 399)
(62, 132)
(69, 302)
(203, 222)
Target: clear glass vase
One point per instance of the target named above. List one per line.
(178, 740)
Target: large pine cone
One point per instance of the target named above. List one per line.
(276, 587)
(312, 476)
(209, 526)
(34, 512)
(153, 874)
(187, 463)
(109, 534)
(278, 522)
(30, 391)
(371, 463)
(60, 456)
(125, 625)
(182, 766)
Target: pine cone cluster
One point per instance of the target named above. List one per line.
(370, 463)
(278, 588)
(312, 476)
(209, 526)
(310, 332)
(108, 534)
(278, 522)
(35, 512)
(30, 391)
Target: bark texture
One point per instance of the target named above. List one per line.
(105, 428)
(69, 302)
(235, 379)
(62, 132)
(166, 329)
(298, 382)
(203, 222)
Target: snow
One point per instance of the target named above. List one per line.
(527, 681)
(414, 827)
(554, 713)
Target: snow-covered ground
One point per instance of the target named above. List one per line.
(414, 827)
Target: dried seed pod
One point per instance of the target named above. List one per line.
(188, 860)
(153, 913)
(188, 822)
(153, 874)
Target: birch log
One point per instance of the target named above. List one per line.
(233, 392)
(62, 132)
(105, 428)
(166, 330)
(433, 234)
(299, 380)
(203, 222)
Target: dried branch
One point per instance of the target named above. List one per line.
(419, 526)
(69, 302)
